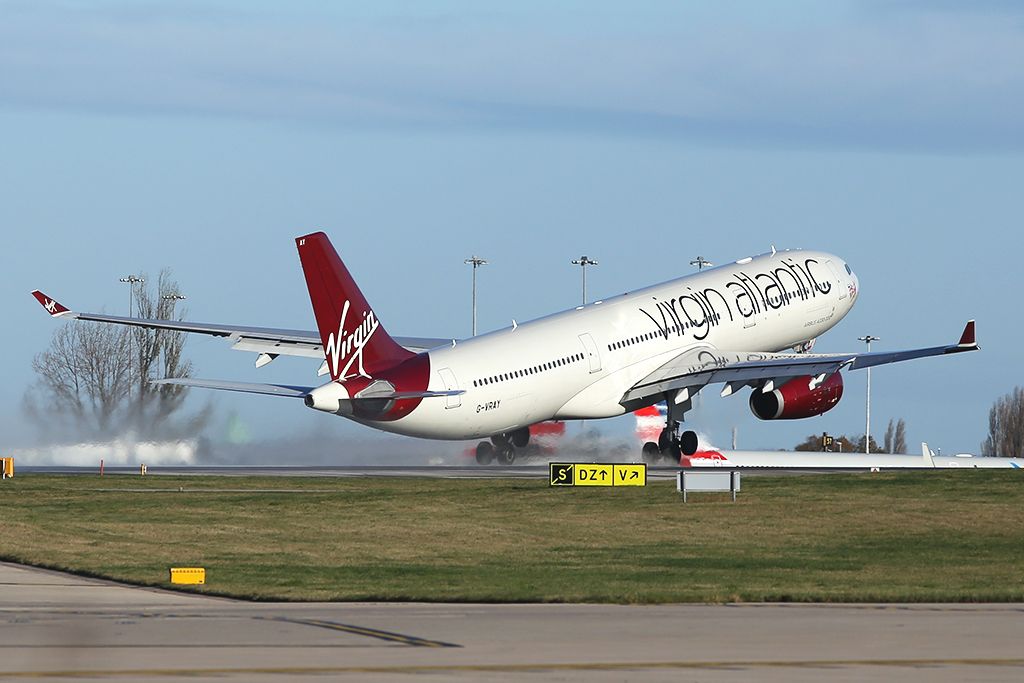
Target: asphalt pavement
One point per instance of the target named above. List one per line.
(55, 626)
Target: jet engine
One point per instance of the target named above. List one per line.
(794, 400)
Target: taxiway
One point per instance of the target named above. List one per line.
(55, 626)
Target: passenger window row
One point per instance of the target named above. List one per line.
(525, 372)
(675, 329)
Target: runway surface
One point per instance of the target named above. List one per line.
(58, 627)
(539, 471)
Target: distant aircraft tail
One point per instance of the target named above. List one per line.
(355, 343)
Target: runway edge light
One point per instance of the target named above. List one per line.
(188, 575)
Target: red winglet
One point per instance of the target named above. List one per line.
(52, 306)
(967, 338)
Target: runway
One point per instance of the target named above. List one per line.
(430, 471)
(538, 471)
(54, 626)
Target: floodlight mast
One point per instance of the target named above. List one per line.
(583, 262)
(131, 281)
(476, 262)
(174, 299)
(867, 339)
(701, 263)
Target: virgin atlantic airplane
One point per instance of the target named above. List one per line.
(727, 325)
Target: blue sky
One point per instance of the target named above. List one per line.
(205, 136)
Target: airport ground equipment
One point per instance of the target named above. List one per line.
(708, 482)
(189, 576)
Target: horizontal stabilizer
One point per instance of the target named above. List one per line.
(244, 387)
(419, 394)
(293, 391)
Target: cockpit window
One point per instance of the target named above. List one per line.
(848, 271)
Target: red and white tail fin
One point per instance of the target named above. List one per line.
(355, 343)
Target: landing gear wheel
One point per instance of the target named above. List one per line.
(673, 453)
(521, 437)
(507, 455)
(665, 439)
(484, 453)
(688, 442)
(651, 453)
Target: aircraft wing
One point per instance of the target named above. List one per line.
(261, 340)
(697, 367)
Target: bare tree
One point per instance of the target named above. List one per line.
(860, 445)
(899, 444)
(159, 353)
(1006, 426)
(99, 375)
(85, 375)
(889, 432)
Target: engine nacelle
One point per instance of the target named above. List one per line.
(330, 398)
(793, 400)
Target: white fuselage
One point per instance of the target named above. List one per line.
(578, 364)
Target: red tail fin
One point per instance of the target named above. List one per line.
(355, 343)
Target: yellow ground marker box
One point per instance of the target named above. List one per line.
(188, 575)
(584, 474)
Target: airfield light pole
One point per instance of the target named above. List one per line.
(476, 262)
(583, 262)
(173, 298)
(701, 263)
(131, 281)
(867, 339)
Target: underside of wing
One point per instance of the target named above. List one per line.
(702, 365)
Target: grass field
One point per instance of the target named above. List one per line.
(933, 536)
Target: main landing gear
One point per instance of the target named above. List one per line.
(503, 447)
(672, 445)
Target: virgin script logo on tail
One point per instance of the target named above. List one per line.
(51, 306)
(348, 347)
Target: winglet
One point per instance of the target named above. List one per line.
(967, 339)
(52, 306)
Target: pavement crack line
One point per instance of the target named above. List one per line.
(388, 636)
